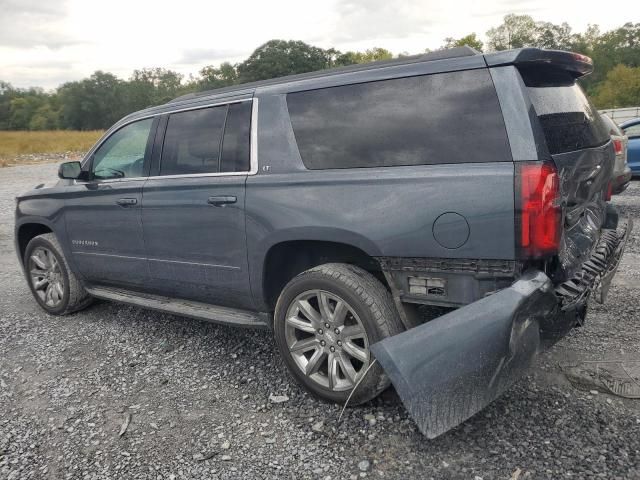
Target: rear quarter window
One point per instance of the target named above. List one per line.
(569, 121)
(450, 117)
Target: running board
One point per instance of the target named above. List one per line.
(185, 308)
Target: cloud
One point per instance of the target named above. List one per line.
(501, 8)
(32, 23)
(45, 76)
(364, 20)
(45, 42)
(193, 56)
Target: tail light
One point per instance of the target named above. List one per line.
(538, 211)
(617, 146)
(607, 196)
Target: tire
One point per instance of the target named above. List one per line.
(300, 331)
(73, 297)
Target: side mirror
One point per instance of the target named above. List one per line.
(70, 170)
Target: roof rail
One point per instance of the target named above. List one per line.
(464, 51)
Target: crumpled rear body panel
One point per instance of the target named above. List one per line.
(450, 368)
(584, 176)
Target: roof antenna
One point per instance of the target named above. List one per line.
(354, 388)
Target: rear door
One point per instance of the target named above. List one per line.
(193, 206)
(579, 143)
(103, 215)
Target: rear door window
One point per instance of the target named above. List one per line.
(192, 141)
(208, 140)
(450, 117)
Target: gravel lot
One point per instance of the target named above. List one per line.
(197, 396)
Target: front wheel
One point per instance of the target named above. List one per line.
(54, 286)
(325, 321)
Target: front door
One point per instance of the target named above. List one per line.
(193, 207)
(103, 215)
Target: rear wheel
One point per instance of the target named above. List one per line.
(52, 283)
(325, 321)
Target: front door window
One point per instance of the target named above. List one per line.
(122, 154)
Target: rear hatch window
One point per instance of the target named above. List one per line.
(569, 121)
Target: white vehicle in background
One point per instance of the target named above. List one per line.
(621, 171)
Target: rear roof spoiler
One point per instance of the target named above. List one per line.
(575, 64)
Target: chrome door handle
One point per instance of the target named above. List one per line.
(125, 202)
(222, 200)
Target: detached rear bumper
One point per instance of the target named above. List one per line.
(448, 369)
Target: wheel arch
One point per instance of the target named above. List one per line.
(288, 258)
(28, 230)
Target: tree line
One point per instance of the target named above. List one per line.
(100, 100)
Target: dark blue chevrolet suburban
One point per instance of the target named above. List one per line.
(330, 206)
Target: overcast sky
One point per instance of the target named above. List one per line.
(47, 42)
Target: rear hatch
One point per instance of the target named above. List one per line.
(579, 145)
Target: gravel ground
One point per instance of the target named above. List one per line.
(31, 158)
(197, 397)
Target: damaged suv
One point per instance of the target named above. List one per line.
(330, 206)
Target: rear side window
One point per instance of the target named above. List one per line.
(443, 118)
(208, 140)
(568, 119)
(192, 141)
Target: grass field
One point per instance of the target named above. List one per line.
(17, 146)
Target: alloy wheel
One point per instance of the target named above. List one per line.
(327, 339)
(46, 276)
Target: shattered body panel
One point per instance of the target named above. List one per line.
(450, 368)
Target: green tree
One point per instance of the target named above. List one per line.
(585, 42)
(93, 103)
(6, 94)
(217, 77)
(470, 40)
(278, 58)
(618, 46)
(516, 31)
(23, 106)
(101, 99)
(46, 117)
(371, 55)
(152, 86)
(556, 37)
(621, 88)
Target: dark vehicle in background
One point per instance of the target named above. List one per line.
(621, 171)
(631, 129)
(329, 206)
